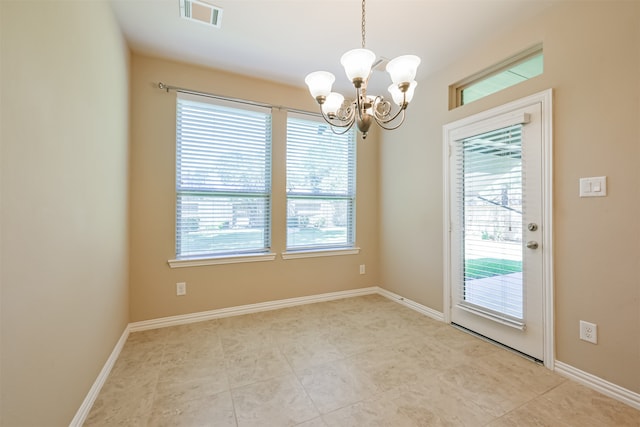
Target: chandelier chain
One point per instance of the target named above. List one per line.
(363, 25)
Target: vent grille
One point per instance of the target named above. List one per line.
(202, 12)
(380, 64)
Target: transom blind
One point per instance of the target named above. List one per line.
(223, 178)
(321, 185)
(490, 204)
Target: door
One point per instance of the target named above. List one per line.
(496, 260)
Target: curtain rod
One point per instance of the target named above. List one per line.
(167, 88)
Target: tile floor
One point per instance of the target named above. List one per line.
(363, 361)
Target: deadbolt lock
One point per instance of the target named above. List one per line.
(532, 226)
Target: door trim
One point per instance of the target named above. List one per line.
(545, 99)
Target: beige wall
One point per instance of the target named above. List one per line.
(64, 173)
(592, 61)
(63, 226)
(152, 281)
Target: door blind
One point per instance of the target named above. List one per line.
(490, 200)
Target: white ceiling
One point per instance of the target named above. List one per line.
(284, 40)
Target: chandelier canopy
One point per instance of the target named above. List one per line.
(365, 109)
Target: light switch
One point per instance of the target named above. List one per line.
(593, 187)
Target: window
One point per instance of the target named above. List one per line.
(223, 178)
(321, 185)
(524, 66)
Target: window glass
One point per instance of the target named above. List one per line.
(504, 79)
(521, 67)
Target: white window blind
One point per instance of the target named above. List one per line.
(489, 189)
(321, 185)
(223, 178)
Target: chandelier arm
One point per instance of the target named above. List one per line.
(382, 124)
(380, 119)
(346, 123)
(348, 128)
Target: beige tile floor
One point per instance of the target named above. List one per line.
(364, 361)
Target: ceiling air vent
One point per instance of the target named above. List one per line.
(202, 12)
(380, 64)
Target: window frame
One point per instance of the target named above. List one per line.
(184, 259)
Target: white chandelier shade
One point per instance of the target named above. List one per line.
(332, 103)
(357, 64)
(402, 71)
(399, 97)
(403, 68)
(320, 83)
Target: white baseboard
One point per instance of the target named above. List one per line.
(246, 309)
(412, 304)
(83, 412)
(598, 384)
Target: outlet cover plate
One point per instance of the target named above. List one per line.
(589, 332)
(181, 288)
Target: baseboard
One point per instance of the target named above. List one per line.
(412, 304)
(598, 384)
(246, 309)
(83, 412)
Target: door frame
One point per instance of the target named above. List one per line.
(545, 99)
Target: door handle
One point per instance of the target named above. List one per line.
(532, 245)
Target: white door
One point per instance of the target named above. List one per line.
(496, 237)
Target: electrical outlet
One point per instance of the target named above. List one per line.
(181, 288)
(362, 269)
(589, 332)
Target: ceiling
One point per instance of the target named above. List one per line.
(284, 40)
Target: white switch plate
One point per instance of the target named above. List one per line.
(595, 186)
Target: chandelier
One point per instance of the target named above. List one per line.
(365, 109)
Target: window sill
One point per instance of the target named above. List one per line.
(319, 253)
(232, 259)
